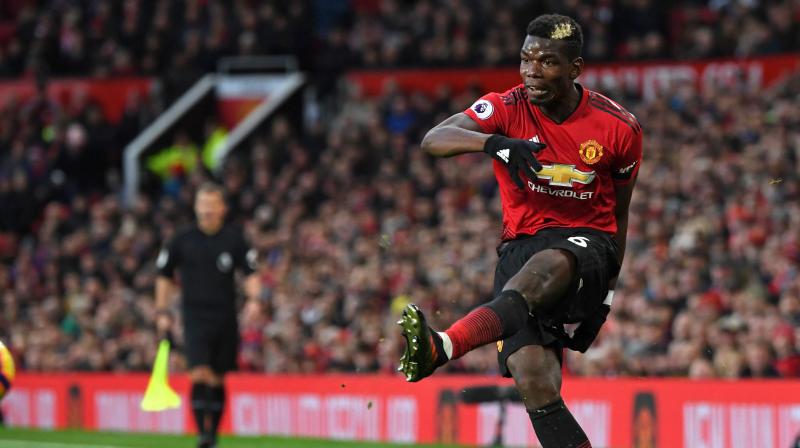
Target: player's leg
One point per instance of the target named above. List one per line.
(224, 352)
(216, 407)
(543, 279)
(198, 339)
(537, 373)
(538, 285)
(202, 378)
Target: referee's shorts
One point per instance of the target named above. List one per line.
(211, 342)
(597, 261)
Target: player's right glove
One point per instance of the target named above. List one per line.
(516, 154)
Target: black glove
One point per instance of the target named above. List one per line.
(588, 329)
(516, 154)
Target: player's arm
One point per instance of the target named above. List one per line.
(625, 170)
(165, 290)
(460, 134)
(623, 192)
(588, 330)
(252, 287)
(166, 263)
(247, 260)
(456, 135)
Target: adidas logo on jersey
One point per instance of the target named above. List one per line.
(504, 154)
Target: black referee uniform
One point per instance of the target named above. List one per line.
(206, 265)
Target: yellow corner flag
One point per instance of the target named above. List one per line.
(159, 396)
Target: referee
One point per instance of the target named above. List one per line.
(206, 255)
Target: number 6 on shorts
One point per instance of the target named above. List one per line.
(578, 240)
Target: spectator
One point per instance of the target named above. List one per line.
(759, 360)
(173, 164)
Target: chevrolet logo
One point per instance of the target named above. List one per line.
(560, 175)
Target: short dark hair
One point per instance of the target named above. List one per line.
(211, 187)
(558, 27)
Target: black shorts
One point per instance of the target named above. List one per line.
(597, 261)
(211, 342)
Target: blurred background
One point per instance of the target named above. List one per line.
(310, 113)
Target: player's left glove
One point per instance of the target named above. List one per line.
(587, 331)
(516, 154)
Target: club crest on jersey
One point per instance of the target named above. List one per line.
(483, 109)
(591, 151)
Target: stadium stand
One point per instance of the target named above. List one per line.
(183, 39)
(344, 213)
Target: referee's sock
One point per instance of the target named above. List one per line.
(494, 321)
(216, 406)
(199, 405)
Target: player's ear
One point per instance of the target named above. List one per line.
(576, 67)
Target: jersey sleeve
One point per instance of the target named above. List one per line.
(626, 163)
(246, 257)
(490, 113)
(169, 258)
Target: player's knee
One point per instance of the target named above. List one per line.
(537, 390)
(215, 380)
(202, 374)
(544, 278)
(537, 374)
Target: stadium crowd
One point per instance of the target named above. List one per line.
(180, 39)
(352, 220)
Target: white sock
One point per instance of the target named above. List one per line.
(446, 343)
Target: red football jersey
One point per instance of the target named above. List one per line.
(597, 146)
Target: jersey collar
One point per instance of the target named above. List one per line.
(575, 113)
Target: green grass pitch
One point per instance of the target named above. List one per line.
(26, 438)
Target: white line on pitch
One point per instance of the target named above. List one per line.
(32, 444)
